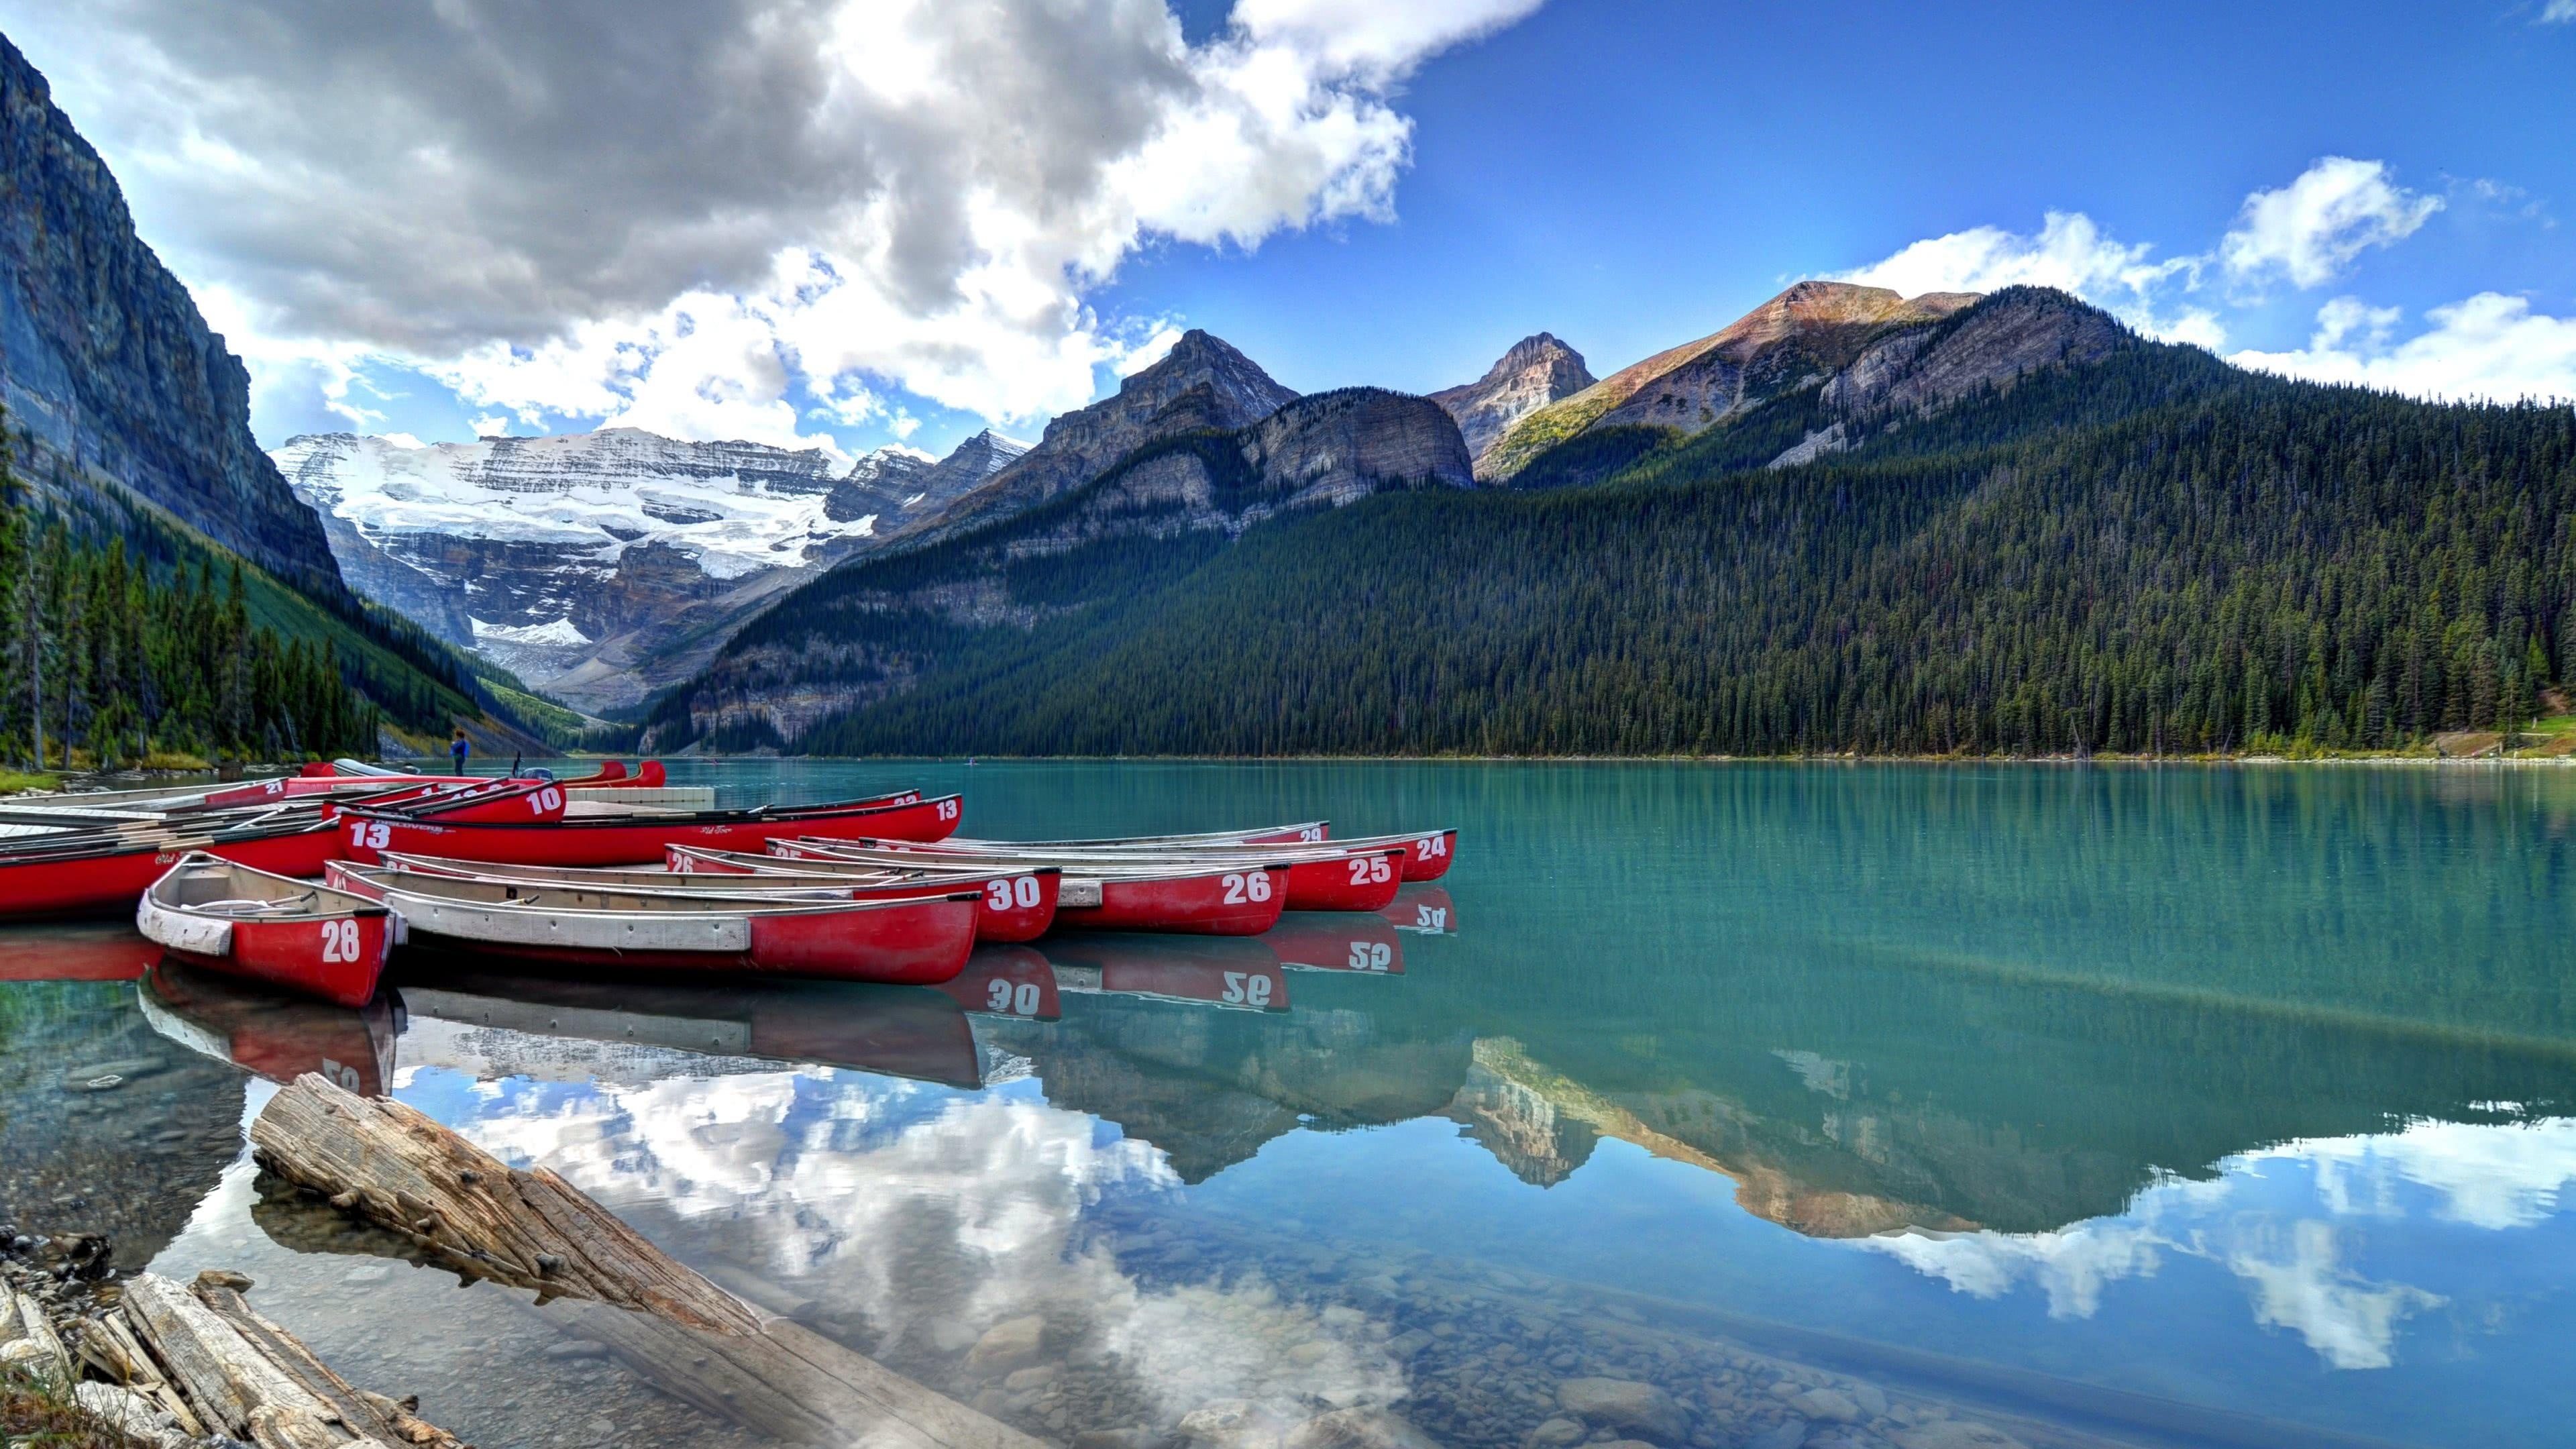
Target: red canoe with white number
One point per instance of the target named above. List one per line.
(1428, 853)
(912, 941)
(1322, 876)
(1017, 905)
(1236, 900)
(294, 933)
(641, 839)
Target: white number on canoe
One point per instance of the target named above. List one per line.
(545, 800)
(1311, 832)
(1371, 956)
(369, 834)
(947, 809)
(1254, 887)
(342, 1076)
(1431, 847)
(1368, 869)
(1018, 890)
(1243, 988)
(1019, 1000)
(340, 940)
(1431, 918)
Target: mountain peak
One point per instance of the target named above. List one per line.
(1814, 333)
(1531, 373)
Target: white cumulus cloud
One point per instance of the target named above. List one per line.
(674, 213)
(2071, 252)
(2489, 346)
(2311, 229)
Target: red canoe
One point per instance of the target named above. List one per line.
(107, 878)
(293, 933)
(1122, 896)
(1326, 876)
(641, 840)
(915, 941)
(1018, 906)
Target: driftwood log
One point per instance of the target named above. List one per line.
(682, 1333)
(393, 1166)
(181, 1363)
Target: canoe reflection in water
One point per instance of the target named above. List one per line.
(273, 1033)
(1425, 910)
(1238, 973)
(502, 1026)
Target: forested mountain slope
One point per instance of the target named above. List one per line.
(873, 628)
(127, 436)
(2147, 552)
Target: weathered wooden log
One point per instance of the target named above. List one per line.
(27, 1338)
(241, 1375)
(679, 1331)
(110, 1347)
(131, 1413)
(480, 1216)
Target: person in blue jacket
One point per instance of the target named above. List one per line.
(458, 748)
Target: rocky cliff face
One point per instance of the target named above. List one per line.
(599, 565)
(105, 363)
(1537, 371)
(898, 489)
(1865, 350)
(1197, 487)
(1201, 384)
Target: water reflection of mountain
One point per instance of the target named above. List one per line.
(1844, 1098)
(1210, 1086)
(1845, 1094)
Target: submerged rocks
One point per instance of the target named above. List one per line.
(1956, 1434)
(1358, 1428)
(1011, 1344)
(1620, 1404)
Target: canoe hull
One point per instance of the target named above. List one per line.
(1228, 903)
(910, 943)
(1429, 856)
(1017, 907)
(1354, 883)
(615, 842)
(92, 885)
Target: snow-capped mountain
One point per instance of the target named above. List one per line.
(580, 561)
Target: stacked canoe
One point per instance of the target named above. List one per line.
(312, 883)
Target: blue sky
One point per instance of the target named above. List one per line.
(981, 212)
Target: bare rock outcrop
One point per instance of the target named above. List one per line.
(1537, 371)
(1201, 384)
(1866, 353)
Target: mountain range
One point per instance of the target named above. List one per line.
(601, 565)
(1849, 521)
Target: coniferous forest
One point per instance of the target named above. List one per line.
(110, 661)
(2154, 554)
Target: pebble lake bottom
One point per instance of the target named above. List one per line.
(1935, 1107)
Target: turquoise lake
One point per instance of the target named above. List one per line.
(2048, 1104)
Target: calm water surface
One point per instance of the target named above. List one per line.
(1875, 1105)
